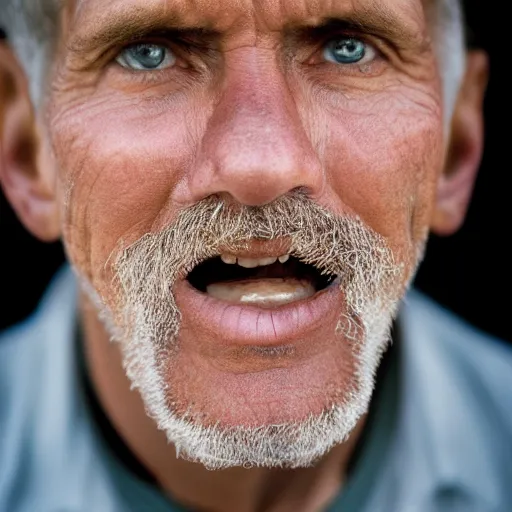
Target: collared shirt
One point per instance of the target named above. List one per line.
(449, 449)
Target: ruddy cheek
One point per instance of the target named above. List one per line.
(379, 162)
(120, 172)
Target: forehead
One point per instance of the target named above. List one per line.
(232, 15)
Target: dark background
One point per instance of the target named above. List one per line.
(468, 272)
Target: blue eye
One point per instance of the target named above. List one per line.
(347, 50)
(146, 57)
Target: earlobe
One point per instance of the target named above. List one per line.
(26, 174)
(455, 184)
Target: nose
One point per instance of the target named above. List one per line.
(255, 148)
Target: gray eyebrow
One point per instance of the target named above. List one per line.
(118, 27)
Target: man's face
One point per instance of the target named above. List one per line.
(183, 118)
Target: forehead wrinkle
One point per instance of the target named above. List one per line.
(116, 24)
(272, 13)
(191, 13)
(401, 22)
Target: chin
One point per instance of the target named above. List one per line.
(226, 401)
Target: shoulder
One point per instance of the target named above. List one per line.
(21, 349)
(24, 348)
(483, 361)
(33, 358)
(460, 386)
(456, 412)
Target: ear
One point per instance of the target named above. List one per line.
(455, 185)
(27, 174)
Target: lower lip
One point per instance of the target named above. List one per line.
(237, 324)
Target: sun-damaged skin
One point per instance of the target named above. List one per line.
(251, 111)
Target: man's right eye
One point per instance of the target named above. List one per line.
(146, 57)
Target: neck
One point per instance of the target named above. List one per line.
(236, 489)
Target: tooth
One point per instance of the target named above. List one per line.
(247, 262)
(227, 258)
(284, 258)
(266, 261)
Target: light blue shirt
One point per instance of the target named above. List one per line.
(450, 451)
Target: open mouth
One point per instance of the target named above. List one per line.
(267, 282)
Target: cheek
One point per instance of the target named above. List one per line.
(119, 166)
(384, 162)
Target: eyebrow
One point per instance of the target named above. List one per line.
(117, 28)
(137, 24)
(380, 22)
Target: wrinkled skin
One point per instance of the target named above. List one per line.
(253, 112)
(258, 116)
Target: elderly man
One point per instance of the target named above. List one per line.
(244, 190)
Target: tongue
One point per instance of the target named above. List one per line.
(264, 293)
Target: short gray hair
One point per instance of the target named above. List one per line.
(31, 26)
(450, 43)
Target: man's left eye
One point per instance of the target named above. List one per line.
(146, 57)
(348, 50)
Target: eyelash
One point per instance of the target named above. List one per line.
(181, 47)
(183, 71)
